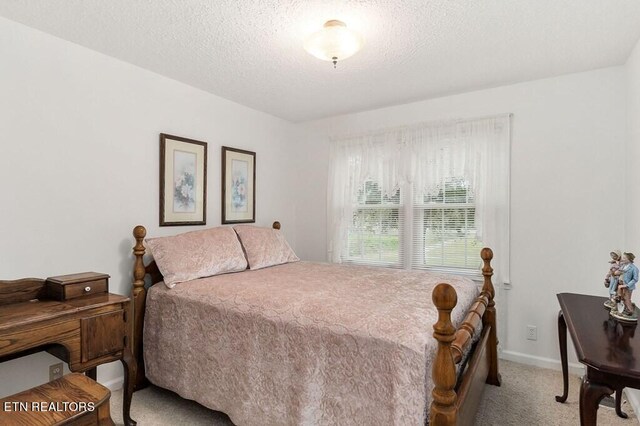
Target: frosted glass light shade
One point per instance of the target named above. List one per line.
(334, 42)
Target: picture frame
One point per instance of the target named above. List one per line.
(183, 181)
(238, 186)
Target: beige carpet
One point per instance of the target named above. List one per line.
(526, 397)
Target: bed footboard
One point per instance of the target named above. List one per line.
(453, 406)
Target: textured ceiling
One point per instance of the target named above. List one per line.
(251, 51)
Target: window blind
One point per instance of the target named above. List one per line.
(443, 228)
(375, 233)
(435, 231)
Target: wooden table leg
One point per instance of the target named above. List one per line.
(619, 411)
(590, 396)
(92, 373)
(129, 381)
(562, 338)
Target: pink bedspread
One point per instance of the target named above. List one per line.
(301, 344)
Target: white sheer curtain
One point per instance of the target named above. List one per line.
(423, 156)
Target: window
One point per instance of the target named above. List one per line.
(444, 231)
(441, 234)
(423, 197)
(374, 234)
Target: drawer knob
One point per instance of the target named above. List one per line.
(87, 289)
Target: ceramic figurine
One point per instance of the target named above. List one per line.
(611, 280)
(627, 279)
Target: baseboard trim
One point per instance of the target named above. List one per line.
(115, 384)
(633, 396)
(538, 361)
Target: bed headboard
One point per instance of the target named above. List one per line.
(139, 296)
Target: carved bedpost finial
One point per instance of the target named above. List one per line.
(139, 232)
(487, 271)
(276, 225)
(445, 298)
(443, 407)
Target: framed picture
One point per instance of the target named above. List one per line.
(238, 186)
(183, 181)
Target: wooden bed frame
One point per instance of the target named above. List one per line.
(455, 402)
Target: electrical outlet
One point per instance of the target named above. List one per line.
(55, 371)
(532, 332)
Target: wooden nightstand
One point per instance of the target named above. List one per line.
(72, 317)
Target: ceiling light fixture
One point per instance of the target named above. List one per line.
(333, 42)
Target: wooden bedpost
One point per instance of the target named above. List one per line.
(489, 318)
(443, 409)
(276, 225)
(139, 301)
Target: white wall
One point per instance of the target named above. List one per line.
(632, 177)
(562, 224)
(633, 150)
(79, 164)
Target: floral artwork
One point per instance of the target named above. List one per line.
(239, 173)
(184, 172)
(183, 181)
(238, 186)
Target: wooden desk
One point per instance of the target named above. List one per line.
(84, 331)
(605, 346)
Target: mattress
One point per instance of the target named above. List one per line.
(302, 343)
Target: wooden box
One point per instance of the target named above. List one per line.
(65, 287)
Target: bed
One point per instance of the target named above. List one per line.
(316, 343)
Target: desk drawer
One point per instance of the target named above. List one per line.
(65, 287)
(71, 291)
(65, 333)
